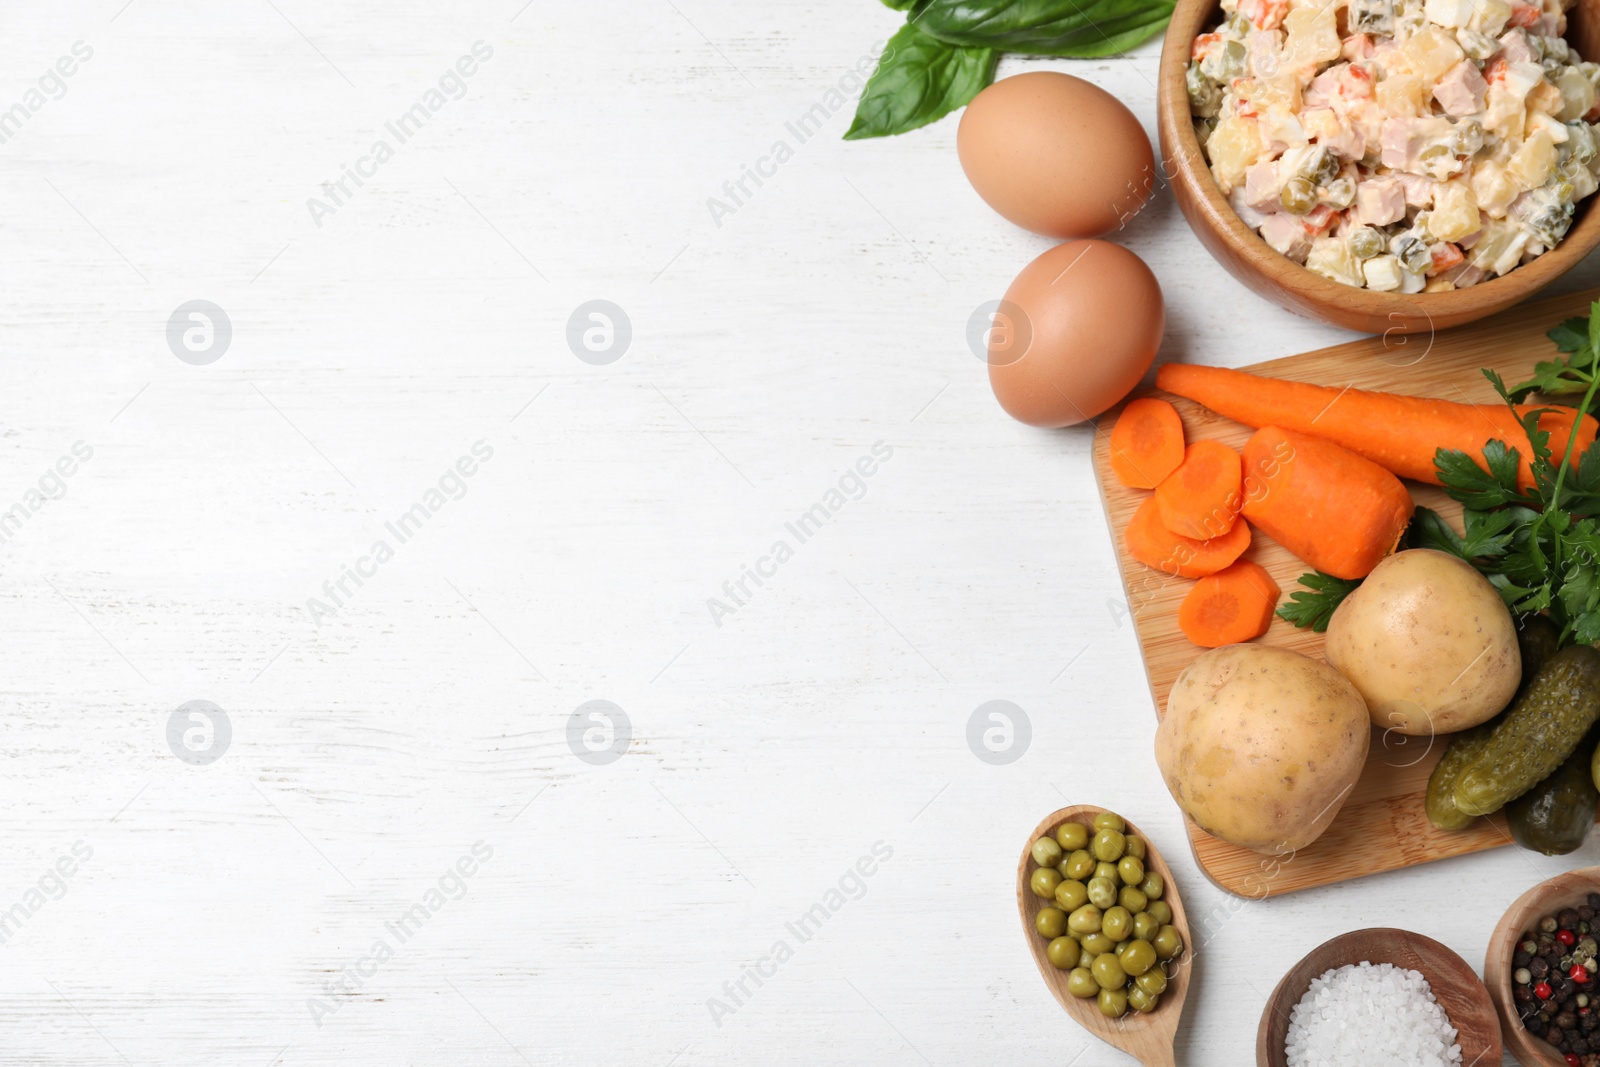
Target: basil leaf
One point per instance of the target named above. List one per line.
(898, 5)
(1080, 28)
(919, 79)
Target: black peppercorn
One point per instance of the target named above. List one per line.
(1520, 958)
(1539, 967)
(1554, 1035)
(1566, 1020)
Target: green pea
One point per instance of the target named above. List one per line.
(1061, 868)
(1110, 820)
(1063, 953)
(1070, 895)
(1108, 871)
(1098, 945)
(1043, 882)
(1108, 845)
(1102, 892)
(1160, 911)
(1122, 946)
(1129, 896)
(1050, 922)
(1046, 853)
(1072, 836)
(1116, 923)
(1139, 958)
(1153, 981)
(1108, 971)
(1299, 196)
(1086, 920)
(1144, 925)
(1079, 865)
(1113, 1003)
(1081, 983)
(1142, 1002)
(1153, 886)
(1168, 942)
(1130, 869)
(1134, 846)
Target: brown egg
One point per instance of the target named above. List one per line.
(1056, 155)
(1075, 333)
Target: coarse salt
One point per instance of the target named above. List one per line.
(1370, 1013)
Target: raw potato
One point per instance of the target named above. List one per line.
(1428, 643)
(1260, 746)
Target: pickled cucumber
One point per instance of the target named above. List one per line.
(1538, 732)
(1555, 816)
(1538, 639)
(1440, 800)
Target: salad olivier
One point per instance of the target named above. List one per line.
(1400, 145)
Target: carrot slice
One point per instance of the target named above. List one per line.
(1230, 606)
(1202, 497)
(1154, 545)
(1399, 433)
(1337, 511)
(1146, 443)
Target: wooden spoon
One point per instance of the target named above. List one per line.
(1147, 1038)
(1455, 986)
(1566, 890)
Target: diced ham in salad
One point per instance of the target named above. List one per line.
(1400, 145)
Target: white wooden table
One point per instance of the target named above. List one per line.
(296, 899)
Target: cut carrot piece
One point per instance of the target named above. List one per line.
(1146, 443)
(1152, 544)
(1339, 512)
(1202, 498)
(1399, 433)
(1230, 606)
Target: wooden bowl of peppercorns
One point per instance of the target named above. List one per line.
(1542, 972)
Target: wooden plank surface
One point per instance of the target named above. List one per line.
(1382, 826)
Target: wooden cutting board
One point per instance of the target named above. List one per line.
(1382, 825)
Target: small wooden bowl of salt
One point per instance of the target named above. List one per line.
(1418, 1019)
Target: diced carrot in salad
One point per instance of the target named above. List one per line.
(1525, 14)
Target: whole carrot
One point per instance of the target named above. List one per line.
(1337, 511)
(1399, 433)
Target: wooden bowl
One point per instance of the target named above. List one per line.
(1455, 987)
(1286, 283)
(1147, 1038)
(1548, 897)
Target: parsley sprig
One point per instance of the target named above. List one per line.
(1539, 545)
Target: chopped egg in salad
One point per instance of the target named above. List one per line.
(1400, 145)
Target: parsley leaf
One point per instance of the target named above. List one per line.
(1480, 487)
(1570, 335)
(1314, 605)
